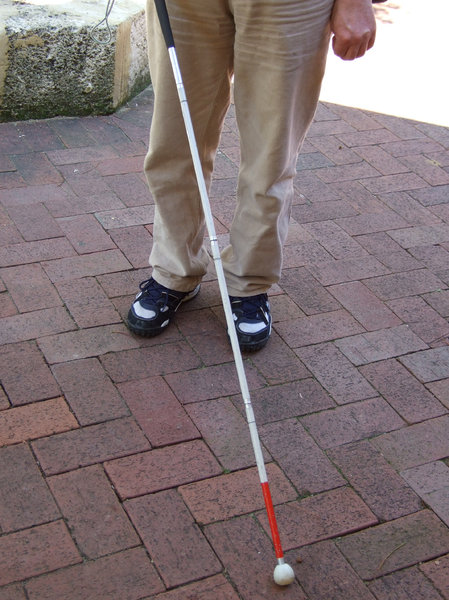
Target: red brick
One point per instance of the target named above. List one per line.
(422, 235)
(403, 128)
(332, 126)
(403, 585)
(216, 587)
(87, 153)
(421, 318)
(324, 573)
(249, 558)
(327, 515)
(405, 393)
(148, 361)
(36, 169)
(318, 328)
(35, 420)
(165, 524)
(429, 365)
(39, 136)
(440, 389)
(25, 500)
(335, 240)
(359, 197)
(438, 573)
(88, 202)
(86, 343)
(206, 332)
(87, 302)
(439, 300)
(29, 252)
(307, 292)
(394, 183)
(409, 208)
(292, 399)
(378, 345)
(9, 234)
(352, 422)
(11, 180)
(123, 282)
(135, 243)
(335, 373)
(350, 269)
(227, 496)
(159, 414)
(24, 374)
(30, 287)
(89, 391)
(126, 217)
(427, 169)
(12, 592)
(96, 263)
(4, 404)
(86, 234)
(92, 512)
(431, 482)
(7, 306)
(378, 484)
(211, 382)
(225, 431)
(416, 444)
(26, 326)
(395, 545)
(368, 138)
(36, 193)
(36, 551)
(300, 458)
(360, 170)
(433, 257)
(115, 166)
(129, 188)
(319, 211)
(334, 149)
(34, 222)
(381, 160)
(127, 575)
(277, 363)
(430, 196)
(310, 186)
(89, 445)
(162, 468)
(364, 306)
(371, 223)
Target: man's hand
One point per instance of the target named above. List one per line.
(354, 28)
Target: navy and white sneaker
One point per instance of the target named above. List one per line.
(154, 307)
(252, 320)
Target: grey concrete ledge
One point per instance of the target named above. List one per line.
(50, 65)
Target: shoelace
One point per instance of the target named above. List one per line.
(154, 292)
(252, 307)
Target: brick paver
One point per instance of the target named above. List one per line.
(126, 465)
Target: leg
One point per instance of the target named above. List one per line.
(280, 54)
(204, 36)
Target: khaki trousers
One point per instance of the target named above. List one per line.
(276, 50)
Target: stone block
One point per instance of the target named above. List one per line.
(52, 64)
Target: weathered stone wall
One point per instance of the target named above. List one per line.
(50, 64)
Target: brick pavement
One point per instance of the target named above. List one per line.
(126, 470)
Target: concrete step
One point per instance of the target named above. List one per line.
(51, 63)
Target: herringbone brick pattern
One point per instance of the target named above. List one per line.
(126, 469)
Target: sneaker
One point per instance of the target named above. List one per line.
(252, 321)
(154, 307)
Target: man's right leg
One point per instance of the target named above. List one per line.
(204, 36)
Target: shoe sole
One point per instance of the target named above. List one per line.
(133, 323)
